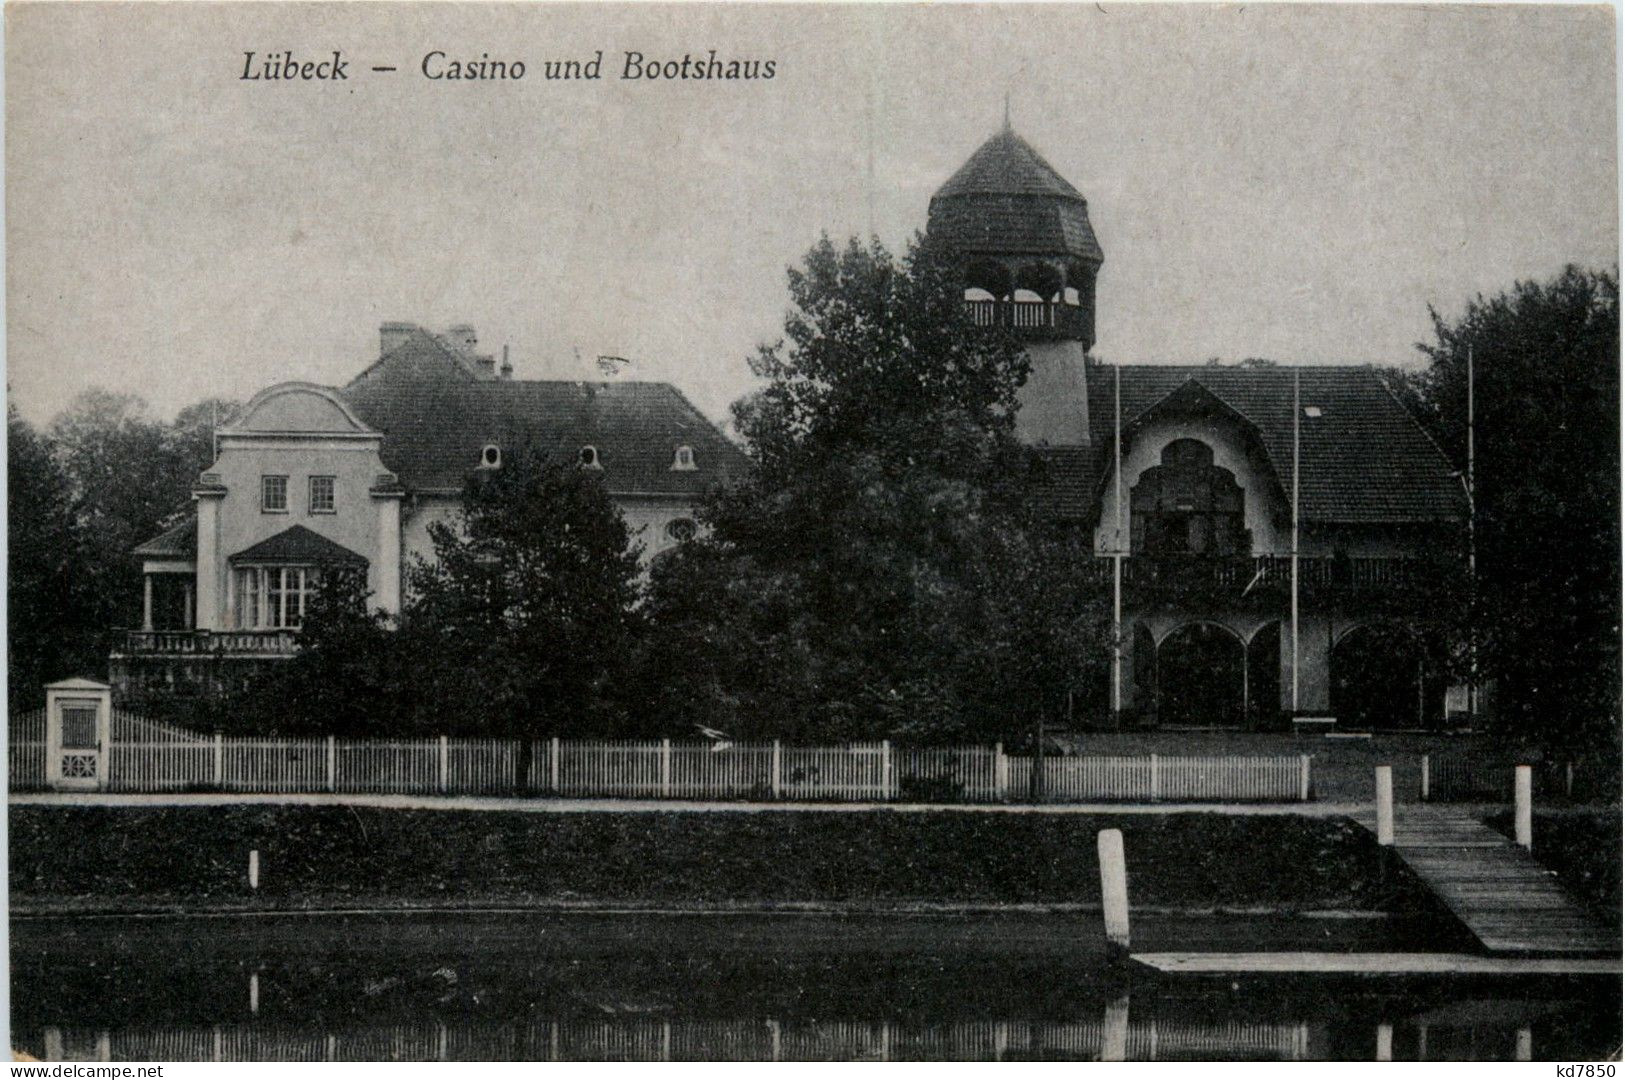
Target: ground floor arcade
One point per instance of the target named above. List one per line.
(1241, 670)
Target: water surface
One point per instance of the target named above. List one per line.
(1012, 986)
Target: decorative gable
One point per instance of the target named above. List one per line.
(297, 408)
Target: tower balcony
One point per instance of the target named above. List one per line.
(1031, 320)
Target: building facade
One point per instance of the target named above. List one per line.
(307, 478)
(1278, 541)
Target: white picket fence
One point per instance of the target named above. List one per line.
(148, 757)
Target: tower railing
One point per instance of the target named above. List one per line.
(1039, 315)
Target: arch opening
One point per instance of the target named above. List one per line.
(1201, 677)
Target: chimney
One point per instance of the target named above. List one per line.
(507, 368)
(391, 334)
(462, 335)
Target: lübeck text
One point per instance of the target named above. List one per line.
(284, 65)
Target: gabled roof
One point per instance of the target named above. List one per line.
(297, 544)
(1364, 459)
(435, 430)
(179, 542)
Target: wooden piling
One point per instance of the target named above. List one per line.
(1523, 787)
(254, 869)
(1385, 805)
(1113, 886)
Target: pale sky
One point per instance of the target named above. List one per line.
(1295, 183)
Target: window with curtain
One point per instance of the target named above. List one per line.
(274, 597)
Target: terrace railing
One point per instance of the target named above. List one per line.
(244, 643)
(1267, 577)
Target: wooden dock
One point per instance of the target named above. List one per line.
(1507, 900)
(1324, 963)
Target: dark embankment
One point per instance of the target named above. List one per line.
(126, 858)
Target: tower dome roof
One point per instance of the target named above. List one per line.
(1007, 165)
(1006, 199)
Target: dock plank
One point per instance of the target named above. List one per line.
(1511, 904)
(1320, 963)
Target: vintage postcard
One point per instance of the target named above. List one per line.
(770, 532)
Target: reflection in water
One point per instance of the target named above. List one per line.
(746, 988)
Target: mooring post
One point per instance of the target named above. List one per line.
(1113, 885)
(1526, 1045)
(254, 869)
(1114, 1030)
(1523, 790)
(1385, 1041)
(1425, 784)
(1385, 805)
(254, 992)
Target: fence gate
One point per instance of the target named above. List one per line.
(78, 723)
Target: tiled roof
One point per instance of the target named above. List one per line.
(435, 430)
(1067, 490)
(1007, 165)
(1008, 200)
(1364, 459)
(297, 544)
(422, 355)
(179, 542)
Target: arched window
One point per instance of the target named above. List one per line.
(1186, 505)
(681, 530)
(589, 458)
(683, 460)
(491, 456)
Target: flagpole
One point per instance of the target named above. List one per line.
(1117, 549)
(1297, 415)
(1472, 551)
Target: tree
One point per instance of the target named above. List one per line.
(1546, 365)
(132, 477)
(350, 675)
(53, 627)
(520, 624)
(873, 575)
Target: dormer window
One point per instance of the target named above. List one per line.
(683, 460)
(589, 458)
(1312, 411)
(491, 456)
